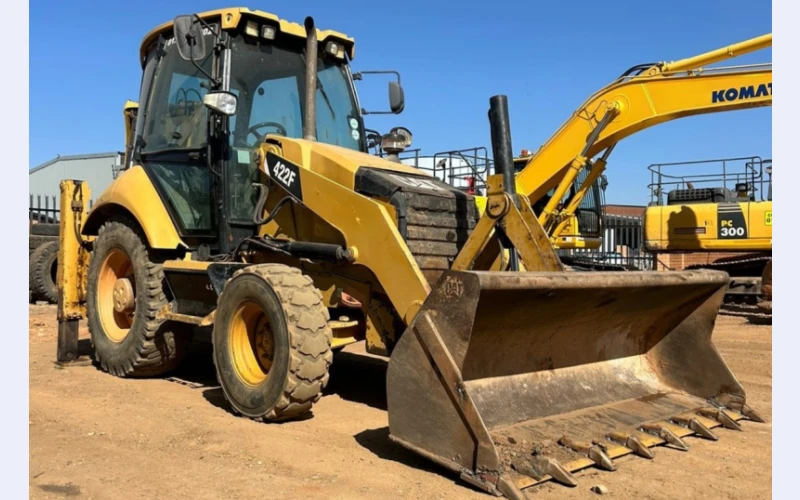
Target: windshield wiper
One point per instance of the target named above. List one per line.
(321, 89)
(325, 96)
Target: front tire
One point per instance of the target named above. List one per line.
(272, 342)
(124, 293)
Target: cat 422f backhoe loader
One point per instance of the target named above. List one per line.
(503, 367)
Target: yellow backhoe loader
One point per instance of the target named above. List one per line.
(248, 203)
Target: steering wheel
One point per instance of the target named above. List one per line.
(254, 129)
(185, 100)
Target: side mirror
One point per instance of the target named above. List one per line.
(397, 100)
(189, 38)
(221, 102)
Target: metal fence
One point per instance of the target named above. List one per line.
(44, 209)
(622, 245)
(464, 169)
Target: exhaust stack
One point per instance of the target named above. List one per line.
(500, 126)
(310, 119)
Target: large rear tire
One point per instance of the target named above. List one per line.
(272, 342)
(124, 293)
(43, 265)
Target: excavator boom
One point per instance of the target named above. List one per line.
(634, 102)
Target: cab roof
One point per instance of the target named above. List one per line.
(232, 16)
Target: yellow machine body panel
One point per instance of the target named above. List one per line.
(335, 163)
(729, 227)
(333, 212)
(133, 193)
(569, 238)
(231, 17)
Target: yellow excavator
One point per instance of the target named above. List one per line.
(248, 203)
(702, 207)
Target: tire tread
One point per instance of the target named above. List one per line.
(310, 338)
(158, 350)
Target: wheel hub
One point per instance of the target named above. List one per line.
(252, 344)
(123, 295)
(116, 300)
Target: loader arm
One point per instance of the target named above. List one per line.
(660, 93)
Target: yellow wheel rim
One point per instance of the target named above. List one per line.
(116, 323)
(251, 344)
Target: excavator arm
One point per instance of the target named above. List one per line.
(641, 98)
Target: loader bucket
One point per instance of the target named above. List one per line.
(513, 379)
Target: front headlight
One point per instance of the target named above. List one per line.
(222, 102)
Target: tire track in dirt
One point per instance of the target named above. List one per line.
(96, 436)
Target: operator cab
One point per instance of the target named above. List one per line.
(214, 85)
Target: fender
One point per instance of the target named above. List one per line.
(133, 192)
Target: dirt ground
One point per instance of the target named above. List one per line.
(95, 436)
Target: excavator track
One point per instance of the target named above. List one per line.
(738, 265)
(744, 289)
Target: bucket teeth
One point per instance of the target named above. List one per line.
(602, 460)
(633, 443)
(667, 435)
(550, 467)
(695, 426)
(593, 451)
(721, 417)
(702, 430)
(750, 413)
(737, 403)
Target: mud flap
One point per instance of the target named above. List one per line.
(512, 379)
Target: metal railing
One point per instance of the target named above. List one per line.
(464, 169)
(44, 209)
(737, 179)
(42, 213)
(622, 245)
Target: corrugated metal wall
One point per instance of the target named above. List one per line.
(96, 169)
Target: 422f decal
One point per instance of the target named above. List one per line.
(285, 173)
